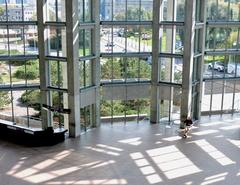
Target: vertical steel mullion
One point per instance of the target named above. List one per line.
(214, 40)
(112, 39)
(173, 13)
(238, 38)
(171, 92)
(238, 13)
(125, 106)
(139, 38)
(13, 113)
(84, 52)
(6, 11)
(85, 119)
(140, 10)
(84, 73)
(223, 90)
(125, 79)
(10, 75)
(211, 98)
(22, 10)
(58, 113)
(83, 10)
(228, 11)
(56, 9)
(84, 42)
(172, 27)
(8, 41)
(25, 71)
(235, 75)
(28, 116)
(58, 74)
(112, 11)
(126, 8)
(234, 91)
(91, 12)
(58, 41)
(24, 42)
(226, 43)
(112, 91)
(139, 72)
(112, 106)
(224, 75)
(112, 69)
(124, 69)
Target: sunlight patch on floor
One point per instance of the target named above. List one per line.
(214, 178)
(172, 162)
(205, 132)
(100, 150)
(103, 164)
(146, 169)
(42, 165)
(110, 147)
(213, 152)
(132, 141)
(91, 182)
(173, 138)
(235, 142)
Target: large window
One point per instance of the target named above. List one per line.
(221, 74)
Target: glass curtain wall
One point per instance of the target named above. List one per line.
(19, 65)
(87, 57)
(222, 60)
(37, 78)
(55, 61)
(36, 81)
(126, 45)
(171, 48)
(198, 58)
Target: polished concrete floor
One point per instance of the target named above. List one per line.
(132, 154)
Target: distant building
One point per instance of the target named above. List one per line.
(15, 2)
(16, 14)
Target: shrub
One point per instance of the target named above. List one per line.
(31, 98)
(30, 73)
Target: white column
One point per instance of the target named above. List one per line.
(46, 115)
(72, 33)
(96, 62)
(154, 108)
(189, 32)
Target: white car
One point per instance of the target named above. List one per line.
(219, 66)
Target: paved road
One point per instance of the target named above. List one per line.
(119, 45)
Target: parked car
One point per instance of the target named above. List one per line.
(219, 66)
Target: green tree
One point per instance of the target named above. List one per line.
(119, 69)
(134, 14)
(217, 12)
